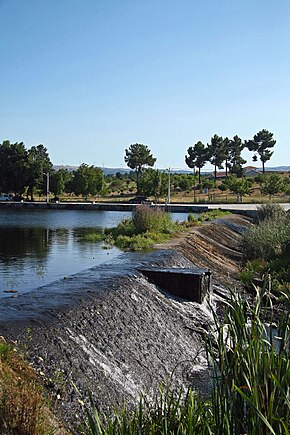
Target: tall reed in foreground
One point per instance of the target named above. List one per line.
(250, 365)
(251, 368)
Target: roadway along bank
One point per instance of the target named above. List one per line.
(244, 209)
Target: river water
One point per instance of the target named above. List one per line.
(38, 247)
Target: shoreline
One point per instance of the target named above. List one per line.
(243, 209)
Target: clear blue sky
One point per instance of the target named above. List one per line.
(87, 78)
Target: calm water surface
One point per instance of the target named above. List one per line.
(40, 246)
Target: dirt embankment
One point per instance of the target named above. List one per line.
(108, 329)
(214, 245)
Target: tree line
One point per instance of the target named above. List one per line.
(225, 153)
(25, 171)
(220, 152)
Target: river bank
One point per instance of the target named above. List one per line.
(110, 330)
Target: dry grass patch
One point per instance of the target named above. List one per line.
(23, 408)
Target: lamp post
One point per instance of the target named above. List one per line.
(47, 185)
(194, 186)
(168, 198)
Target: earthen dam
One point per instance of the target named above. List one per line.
(114, 331)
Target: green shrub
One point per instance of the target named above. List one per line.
(270, 211)
(192, 219)
(253, 270)
(151, 219)
(267, 240)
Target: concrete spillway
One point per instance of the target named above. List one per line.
(110, 330)
(124, 336)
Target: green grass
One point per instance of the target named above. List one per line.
(266, 249)
(5, 351)
(94, 237)
(141, 242)
(170, 413)
(212, 214)
(147, 227)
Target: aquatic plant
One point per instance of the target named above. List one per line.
(249, 354)
(212, 214)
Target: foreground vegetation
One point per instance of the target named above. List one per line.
(147, 227)
(266, 249)
(250, 366)
(248, 357)
(23, 407)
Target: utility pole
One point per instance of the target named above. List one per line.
(168, 198)
(47, 186)
(194, 186)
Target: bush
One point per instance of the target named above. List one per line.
(192, 219)
(151, 219)
(267, 240)
(266, 248)
(270, 211)
(252, 271)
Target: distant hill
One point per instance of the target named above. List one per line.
(277, 168)
(67, 167)
(112, 171)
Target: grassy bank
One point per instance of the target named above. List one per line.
(147, 227)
